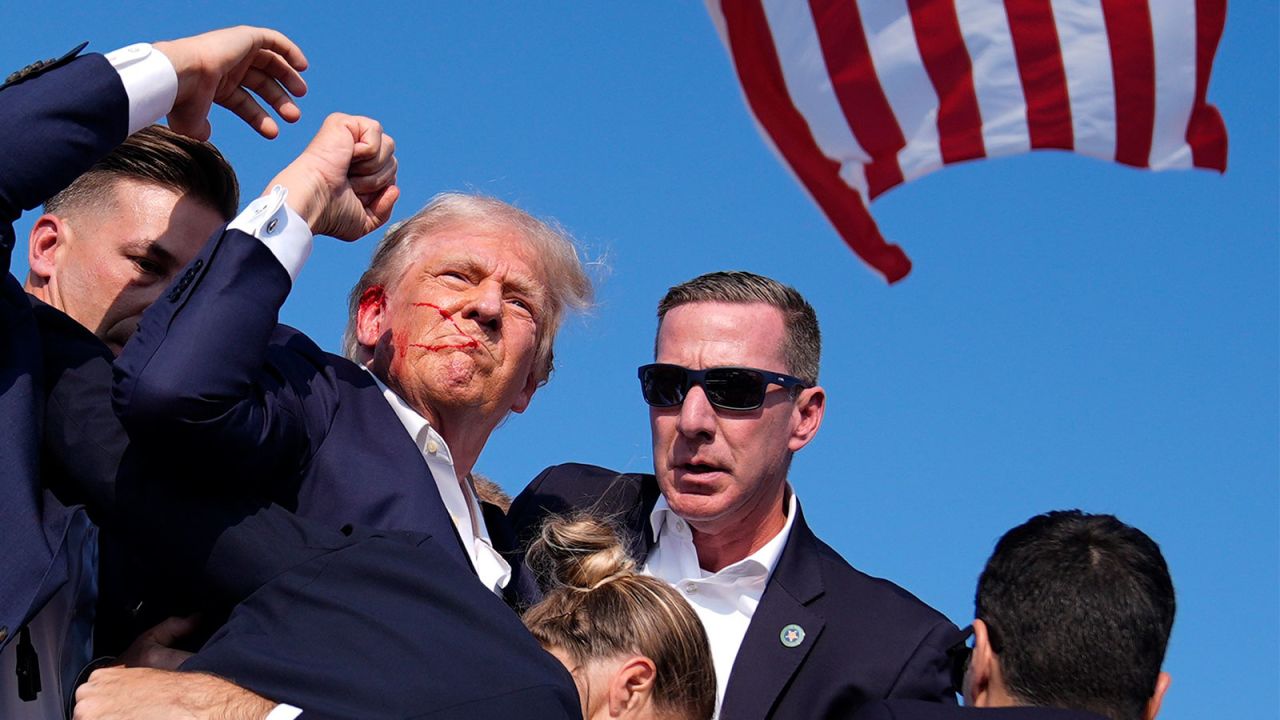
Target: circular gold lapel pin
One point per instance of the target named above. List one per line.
(791, 635)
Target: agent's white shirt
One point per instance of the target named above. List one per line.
(724, 601)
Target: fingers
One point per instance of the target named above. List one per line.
(380, 206)
(269, 89)
(277, 67)
(240, 102)
(283, 47)
(224, 67)
(174, 628)
(371, 175)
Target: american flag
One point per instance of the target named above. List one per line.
(860, 96)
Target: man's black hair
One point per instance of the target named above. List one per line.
(1080, 608)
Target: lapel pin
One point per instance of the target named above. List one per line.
(792, 635)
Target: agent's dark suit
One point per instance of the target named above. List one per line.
(911, 710)
(210, 372)
(865, 638)
(352, 623)
(356, 619)
(71, 113)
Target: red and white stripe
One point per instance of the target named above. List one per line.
(858, 96)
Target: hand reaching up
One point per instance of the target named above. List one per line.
(223, 66)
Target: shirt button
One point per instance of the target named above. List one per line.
(690, 588)
(433, 447)
(681, 527)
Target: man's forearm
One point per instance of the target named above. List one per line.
(146, 694)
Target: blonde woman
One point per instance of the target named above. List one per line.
(635, 648)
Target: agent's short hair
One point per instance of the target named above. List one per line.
(1080, 608)
(567, 284)
(802, 347)
(161, 157)
(598, 607)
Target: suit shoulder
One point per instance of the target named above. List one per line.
(572, 487)
(890, 600)
(577, 486)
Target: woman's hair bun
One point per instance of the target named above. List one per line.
(578, 552)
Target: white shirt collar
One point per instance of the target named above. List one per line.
(759, 563)
(459, 497)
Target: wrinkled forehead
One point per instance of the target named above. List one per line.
(718, 334)
(485, 244)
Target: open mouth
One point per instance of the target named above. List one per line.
(699, 468)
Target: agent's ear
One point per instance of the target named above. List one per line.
(810, 405)
(49, 234)
(983, 672)
(1163, 680)
(632, 686)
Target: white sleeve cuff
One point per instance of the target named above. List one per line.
(149, 80)
(282, 230)
(283, 712)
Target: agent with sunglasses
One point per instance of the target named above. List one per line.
(795, 631)
(1073, 615)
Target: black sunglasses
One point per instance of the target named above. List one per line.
(727, 388)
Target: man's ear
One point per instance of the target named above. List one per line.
(526, 393)
(48, 235)
(371, 316)
(984, 670)
(1163, 680)
(632, 685)
(810, 405)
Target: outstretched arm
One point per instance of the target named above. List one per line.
(201, 370)
(66, 115)
(143, 694)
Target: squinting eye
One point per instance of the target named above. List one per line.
(147, 265)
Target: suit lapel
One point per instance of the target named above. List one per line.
(765, 663)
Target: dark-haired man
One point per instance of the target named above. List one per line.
(106, 248)
(795, 631)
(1073, 613)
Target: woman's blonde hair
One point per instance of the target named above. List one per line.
(597, 606)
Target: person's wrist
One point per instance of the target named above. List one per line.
(306, 195)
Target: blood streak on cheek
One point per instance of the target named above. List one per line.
(470, 343)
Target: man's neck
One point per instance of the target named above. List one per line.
(720, 545)
(464, 432)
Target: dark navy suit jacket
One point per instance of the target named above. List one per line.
(341, 623)
(59, 120)
(910, 710)
(211, 373)
(865, 638)
(350, 623)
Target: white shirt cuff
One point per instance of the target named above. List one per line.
(149, 80)
(283, 712)
(281, 229)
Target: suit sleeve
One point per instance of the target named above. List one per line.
(204, 373)
(927, 674)
(57, 125)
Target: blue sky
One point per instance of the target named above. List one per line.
(1074, 334)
